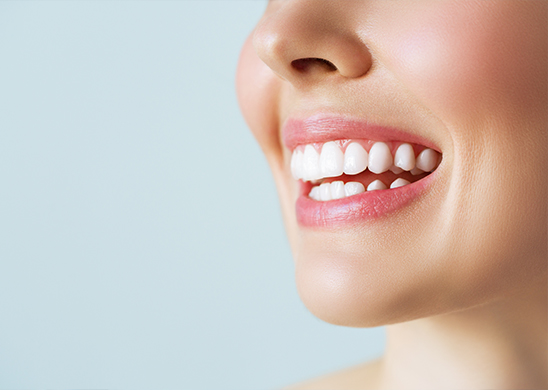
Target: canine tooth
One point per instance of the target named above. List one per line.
(297, 164)
(405, 157)
(355, 159)
(353, 188)
(380, 158)
(331, 160)
(311, 166)
(416, 171)
(337, 190)
(376, 185)
(325, 191)
(396, 170)
(399, 182)
(427, 160)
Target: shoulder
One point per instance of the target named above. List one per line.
(363, 376)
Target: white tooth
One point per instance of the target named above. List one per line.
(416, 171)
(380, 158)
(337, 190)
(297, 164)
(355, 159)
(376, 185)
(396, 170)
(405, 157)
(427, 160)
(399, 182)
(331, 160)
(325, 191)
(353, 188)
(315, 193)
(311, 167)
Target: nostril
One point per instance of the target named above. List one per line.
(306, 64)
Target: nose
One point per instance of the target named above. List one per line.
(304, 41)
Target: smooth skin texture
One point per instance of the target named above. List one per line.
(459, 275)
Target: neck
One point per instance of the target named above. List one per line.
(501, 345)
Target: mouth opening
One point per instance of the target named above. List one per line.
(344, 168)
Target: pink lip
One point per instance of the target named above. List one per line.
(321, 128)
(366, 206)
(358, 208)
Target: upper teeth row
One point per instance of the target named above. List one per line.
(310, 165)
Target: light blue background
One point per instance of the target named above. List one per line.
(141, 245)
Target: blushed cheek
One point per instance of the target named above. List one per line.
(470, 59)
(257, 88)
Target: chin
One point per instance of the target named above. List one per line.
(352, 290)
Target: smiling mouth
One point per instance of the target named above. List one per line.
(348, 167)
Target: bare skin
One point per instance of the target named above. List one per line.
(459, 276)
(493, 346)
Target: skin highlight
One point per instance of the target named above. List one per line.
(460, 274)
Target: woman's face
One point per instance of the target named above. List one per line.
(466, 80)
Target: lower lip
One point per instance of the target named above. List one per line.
(367, 206)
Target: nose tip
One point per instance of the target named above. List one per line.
(302, 43)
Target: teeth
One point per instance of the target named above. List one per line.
(380, 158)
(297, 164)
(355, 159)
(353, 188)
(376, 185)
(325, 191)
(311, 167)
(405, 157)
(399, 183)
(416, 171)
(396, 170)
(315, 193)
(427, 160)
(337, 190)
(331, 160)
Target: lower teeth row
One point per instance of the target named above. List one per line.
(338, 189)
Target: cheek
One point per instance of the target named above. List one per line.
(257, 88)
(481, 68)
(471, 59)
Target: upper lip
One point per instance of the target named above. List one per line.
(321, 128)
